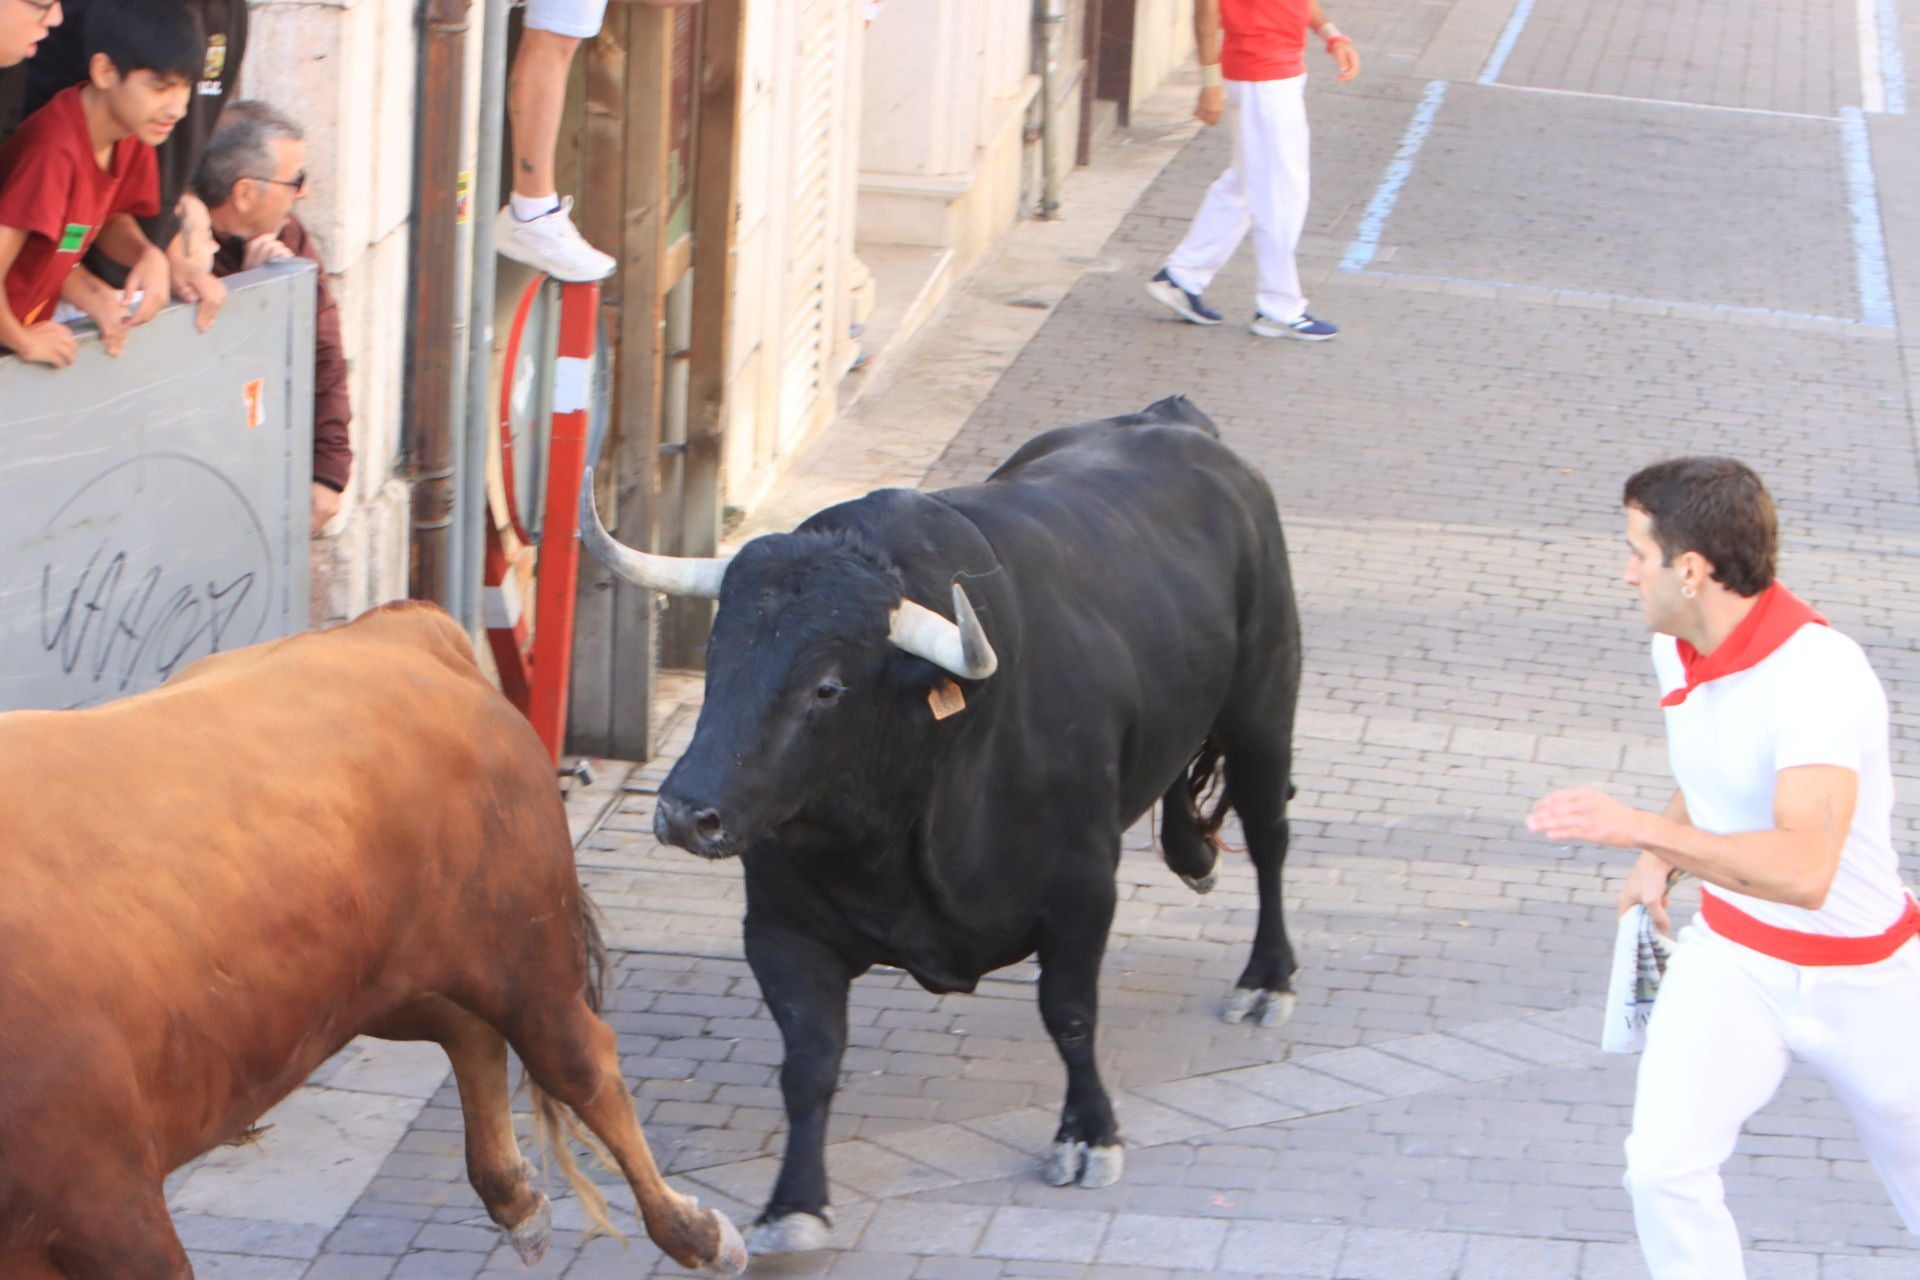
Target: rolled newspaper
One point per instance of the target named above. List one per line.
(1639, 962)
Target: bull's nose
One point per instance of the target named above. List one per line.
(696, 828)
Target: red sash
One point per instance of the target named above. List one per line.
(1776, 614)
(1735, 925)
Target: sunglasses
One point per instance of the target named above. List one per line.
(298, 181)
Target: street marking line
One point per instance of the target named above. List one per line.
(1863, 208)
(1497, 61)
(1866, 28)
(1366, 240)
(1681, 310)
(1893, 60)
(1665, 102)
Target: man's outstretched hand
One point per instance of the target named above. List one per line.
(1581, 815)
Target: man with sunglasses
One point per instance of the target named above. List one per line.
(252, 175)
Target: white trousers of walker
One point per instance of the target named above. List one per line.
(1264, 190)
(1724, 1027)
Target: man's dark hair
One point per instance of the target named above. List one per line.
(1717, 507)
(241, 147)
(161, 36)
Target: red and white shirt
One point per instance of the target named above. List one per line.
(53, 188)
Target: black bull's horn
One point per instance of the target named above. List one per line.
(958, 647)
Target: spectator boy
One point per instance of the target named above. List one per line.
(81, 169)
(180, 227)
(253, 173)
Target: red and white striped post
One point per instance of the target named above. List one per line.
(536, 672)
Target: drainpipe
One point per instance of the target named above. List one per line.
(433, 309)
(1048, 18)
(479, 329)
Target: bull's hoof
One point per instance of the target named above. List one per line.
(730, 1257)
(1202, 884)
(790, 1233)
(1063, 1163)
(1071, 1163)
(1104, 1166)
(1277, 1009)
(1266, 1008)
(535, 1232)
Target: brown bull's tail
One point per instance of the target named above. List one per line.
(553, 1121)
(594, 943)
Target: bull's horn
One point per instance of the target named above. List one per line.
(959, 647)
(675, 575)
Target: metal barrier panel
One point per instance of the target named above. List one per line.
(155, 507)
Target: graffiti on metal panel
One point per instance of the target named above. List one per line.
(123, 606)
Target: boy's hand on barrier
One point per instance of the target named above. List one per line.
(203, 289)
(48, 343)
(147, 281)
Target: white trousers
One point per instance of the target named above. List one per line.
(1724, 1027)
(1264, 190)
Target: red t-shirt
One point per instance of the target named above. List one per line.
(52, 188)
(1263, 39)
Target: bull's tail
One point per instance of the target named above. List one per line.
(554, 1123)
(1191, 813)
(1207, 790)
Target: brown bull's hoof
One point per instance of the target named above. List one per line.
(535, 1232)
(730, 1256)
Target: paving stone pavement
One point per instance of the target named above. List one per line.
(1568, 286)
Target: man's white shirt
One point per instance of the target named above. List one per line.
(1813, 701)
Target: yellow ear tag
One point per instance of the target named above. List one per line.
(946, 700)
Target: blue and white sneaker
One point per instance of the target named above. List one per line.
(1186, 305)
(1306, 328)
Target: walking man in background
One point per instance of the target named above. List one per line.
(1777, 731)
(1253, 68)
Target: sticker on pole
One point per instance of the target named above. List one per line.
(255, 395)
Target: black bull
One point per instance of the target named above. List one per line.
(1132, 577)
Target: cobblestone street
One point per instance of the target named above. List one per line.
(1562, 240)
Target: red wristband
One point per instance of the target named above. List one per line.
(1337, 40)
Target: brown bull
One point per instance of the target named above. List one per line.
(207, 890)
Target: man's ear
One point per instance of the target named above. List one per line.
(102, 72)
(1694, 569)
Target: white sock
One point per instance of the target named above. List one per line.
(527, 208)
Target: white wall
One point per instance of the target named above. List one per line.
(766, 284)
(346, 71)
(1162, 40)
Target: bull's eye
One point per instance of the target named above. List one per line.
(827, 691)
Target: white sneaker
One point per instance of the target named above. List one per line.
(551, 243)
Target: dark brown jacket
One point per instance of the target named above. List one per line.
(332, 413)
